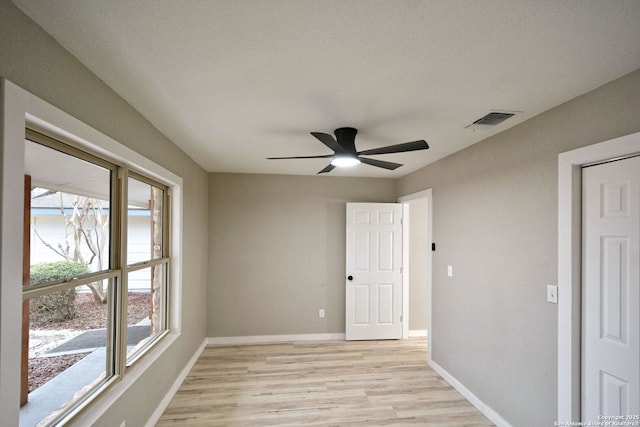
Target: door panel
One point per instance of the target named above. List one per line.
(615, 260)
(361, 311)
(614, 395)
(374, 260)
(361, 251)
(385, 301)
(611, 290)
(386, 251)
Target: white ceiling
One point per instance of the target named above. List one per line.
(235, 81)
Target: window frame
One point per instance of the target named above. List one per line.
(21, 110)
(164, 260)
(118, 269)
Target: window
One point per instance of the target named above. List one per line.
(147, 260)
(96, 287)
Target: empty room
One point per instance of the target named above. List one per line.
(319, 212)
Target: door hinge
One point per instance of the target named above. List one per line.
(401, 317)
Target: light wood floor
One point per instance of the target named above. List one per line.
(334, 383)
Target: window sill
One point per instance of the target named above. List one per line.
(94, 408)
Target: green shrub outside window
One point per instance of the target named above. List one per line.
(57, 306)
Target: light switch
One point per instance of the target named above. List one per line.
(450, 271)
(552, 294)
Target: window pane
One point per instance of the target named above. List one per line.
(146, 307)
(145, 222)
(69, 210)
(67, 350)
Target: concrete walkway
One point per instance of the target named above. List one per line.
(96, 338)
(61, 389)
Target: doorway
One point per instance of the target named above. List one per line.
(570, 265)
(417, 264)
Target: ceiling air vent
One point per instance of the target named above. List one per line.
(491, 119)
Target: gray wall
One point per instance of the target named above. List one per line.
(495, 221)
(33, 60)
(277, 251)
(418, 252)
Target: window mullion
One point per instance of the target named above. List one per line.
(145, 264)
(119, 323)
(166, 244)
(35, 291)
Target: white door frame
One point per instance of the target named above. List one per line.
(428, 194)
(569, 263)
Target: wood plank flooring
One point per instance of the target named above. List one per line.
(335, 383)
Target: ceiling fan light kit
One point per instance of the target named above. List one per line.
(345, 153)
(344, 160)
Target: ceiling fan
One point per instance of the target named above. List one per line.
(345, 154)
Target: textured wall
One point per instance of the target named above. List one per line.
(277, 251)
(495, 221)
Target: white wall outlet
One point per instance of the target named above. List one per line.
(450, 270)
(321, 312)
(552, 294)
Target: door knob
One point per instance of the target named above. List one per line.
(349, 278)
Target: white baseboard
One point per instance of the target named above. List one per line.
(487, 411)
(415, 333)
(263, 339)
(153, 420)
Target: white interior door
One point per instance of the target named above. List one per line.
(374, 275)
(610, 292)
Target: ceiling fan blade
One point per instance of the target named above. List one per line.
(327, 140)
(324, 156)
(329, 168)
(398, 148)
(380, 163)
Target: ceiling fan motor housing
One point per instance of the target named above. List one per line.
(346, 138)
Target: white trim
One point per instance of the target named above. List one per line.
(428, 194)
(486, 410)
(21, 108)
(406, 236)
(413, 196)
(430, 267)
(263, 339)
(569, 263)
(14, 103)
(418, 333)
(155, 417)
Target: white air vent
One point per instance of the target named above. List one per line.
(491, 119)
